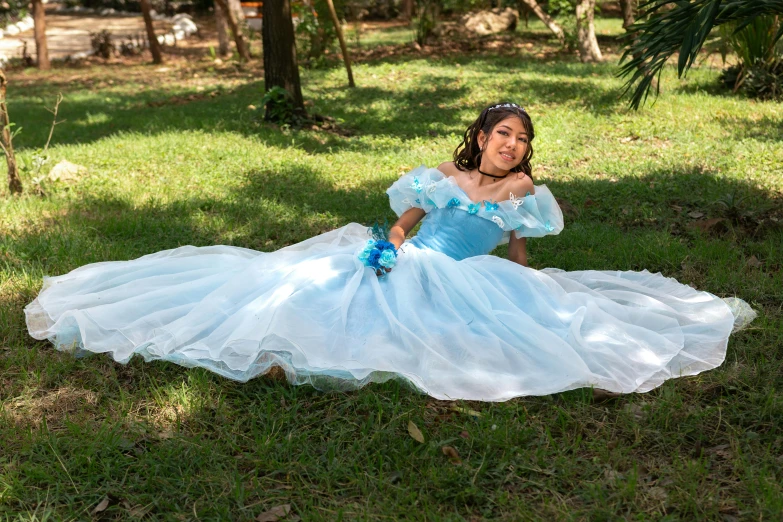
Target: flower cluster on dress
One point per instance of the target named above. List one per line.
(378, 254)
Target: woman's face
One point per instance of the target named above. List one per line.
(505, 145)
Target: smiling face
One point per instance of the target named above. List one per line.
(504, 147)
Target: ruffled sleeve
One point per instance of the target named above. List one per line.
(414, 190)
(535, 215)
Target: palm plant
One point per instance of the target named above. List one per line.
(666, 27)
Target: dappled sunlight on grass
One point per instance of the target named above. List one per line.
(690, 187)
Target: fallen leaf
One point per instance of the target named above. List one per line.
(589, 203)
(101, 507)
(753, 262)
(452, 454)
(629, 139)
(567, 208)
(468, 411)
(274, 514)
(676, 208)
(603, 395)
(695, 214)
(415, 432)
(657, 493)
(722, 450)
(635, 410)
(464, 434)
(706, 224)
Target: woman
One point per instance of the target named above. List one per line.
(444, 316)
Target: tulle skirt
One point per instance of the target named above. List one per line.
(483, 328)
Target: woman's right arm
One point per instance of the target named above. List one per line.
(409, 219)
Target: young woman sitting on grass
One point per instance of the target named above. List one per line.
(343, 309)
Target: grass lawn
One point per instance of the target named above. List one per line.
(177, 155)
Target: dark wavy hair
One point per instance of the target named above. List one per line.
(467, 155)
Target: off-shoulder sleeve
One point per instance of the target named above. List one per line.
(414, 190)
(535, 215)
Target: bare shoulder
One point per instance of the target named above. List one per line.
(521, 185)
(448, 168)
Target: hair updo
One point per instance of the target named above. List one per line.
(467, 155)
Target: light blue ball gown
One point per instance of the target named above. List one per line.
(451, 320)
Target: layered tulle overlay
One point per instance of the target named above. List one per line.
(453, 322)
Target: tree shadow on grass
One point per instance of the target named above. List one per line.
(759, 129)
(159, 416)
(432, 103)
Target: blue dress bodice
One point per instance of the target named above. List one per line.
(457, 234)
(461, 228)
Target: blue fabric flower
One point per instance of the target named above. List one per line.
(473, 208)
(453, 203)
(490, 206)
(378, 255)
(548, 226)
(416, 185)
(388, 259)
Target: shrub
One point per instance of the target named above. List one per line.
(101, 44)
(759, 72)
(279, 107)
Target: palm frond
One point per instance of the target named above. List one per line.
(666, 27)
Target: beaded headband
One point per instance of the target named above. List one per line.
(507, 106)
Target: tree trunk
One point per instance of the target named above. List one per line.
(41, 49)
(406, 9)
(14, 183)
(343, 47)
(236, 29)
(236, 6)
(222, 30)
(157, 56)
(277, 37)
(585, 32)
(548, 21)
(627, 7)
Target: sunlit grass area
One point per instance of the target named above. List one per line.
(691, 187)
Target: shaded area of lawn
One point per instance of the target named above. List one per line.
(168, 443)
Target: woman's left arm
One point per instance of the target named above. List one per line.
(517, 249)
(517, 246)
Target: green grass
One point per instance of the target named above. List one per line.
(163, 170)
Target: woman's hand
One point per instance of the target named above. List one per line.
(404, 225)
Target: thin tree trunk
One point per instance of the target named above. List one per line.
(41, 49)
(585, 32)
(627, 7)
(157, 56)
(222, 30)
(277, 37)
(339, 30)
(548, 21)
(14, 183)
(236, 6)
(406, 11)
(236, 29)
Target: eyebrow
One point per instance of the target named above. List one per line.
(509, 128)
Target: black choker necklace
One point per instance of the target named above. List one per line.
(491, 175)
